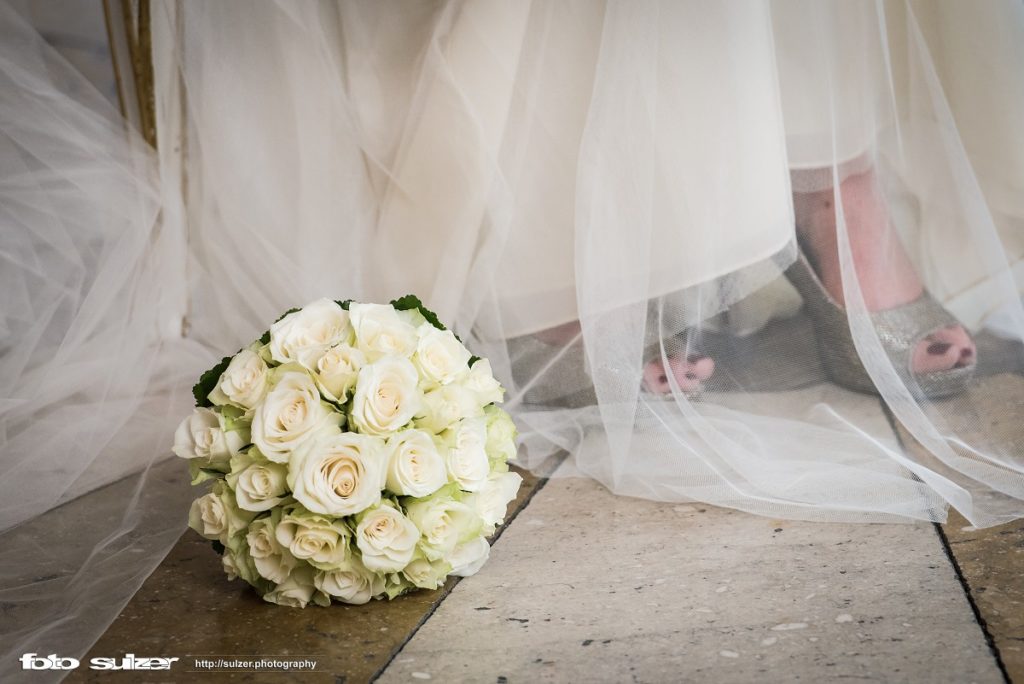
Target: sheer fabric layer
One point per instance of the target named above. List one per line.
(582, 188)
(586, 187)
(90, 276)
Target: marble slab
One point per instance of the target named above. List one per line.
(586, 586)
(188, 608)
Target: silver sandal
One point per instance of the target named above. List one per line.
(899, 330)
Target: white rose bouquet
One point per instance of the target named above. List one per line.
(355, 451)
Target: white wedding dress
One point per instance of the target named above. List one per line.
(520, 166)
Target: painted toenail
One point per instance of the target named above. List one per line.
(966, 353)
(939, 348)
(662, 378)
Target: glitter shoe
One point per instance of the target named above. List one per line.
(899, 330)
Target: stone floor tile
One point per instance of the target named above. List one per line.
(187, 607)
(991, 562)
(586, 586)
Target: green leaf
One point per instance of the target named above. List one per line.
(199, 474)
(343, 304)
(288, 312)
(413, 302)
(208, 380)
(234, 418)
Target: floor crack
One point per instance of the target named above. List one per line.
(951, 557)
(426, 616)
(978, 617)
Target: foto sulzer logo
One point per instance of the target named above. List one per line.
(34, 661)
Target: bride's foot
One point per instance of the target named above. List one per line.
(689, 371)
(885, 274)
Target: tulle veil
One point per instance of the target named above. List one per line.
(622, 172)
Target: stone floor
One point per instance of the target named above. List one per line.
(599, 593)
(225, 618)
(604, 595)
(586, 586)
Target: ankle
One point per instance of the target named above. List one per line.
(883, 271)
(815, 218)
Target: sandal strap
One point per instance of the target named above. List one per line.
(903, 327)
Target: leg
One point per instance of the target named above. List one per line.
(885, 274)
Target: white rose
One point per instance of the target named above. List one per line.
(352, 584)
(289, 415)
(208, 517)
(237, 562)
(272, 560)
(443, 524)
(202, 436)
(382, 331)
(427, 574)
(446, 406)
(468, 558)
(229, 565)
(440, 357)
(387, 539)
(340, 474)
(501, 434)
(243, 383)
(297, 590)
(466, 459)
(480, 381)
(304, 335)
(415, 467)
(386, 396)
(319, 540)
(395, 584)
(337, 371)
(259, 485)
(491, 502)
(216, 515)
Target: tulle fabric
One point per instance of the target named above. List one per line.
(527, 166)
(93, 369)
(579, 187)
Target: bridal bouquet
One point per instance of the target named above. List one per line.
(355, 452)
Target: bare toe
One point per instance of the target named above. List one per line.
(685, 374)
(655, 377)
(701, 365)
(962, 339)
(688, 373)
(935, 353)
